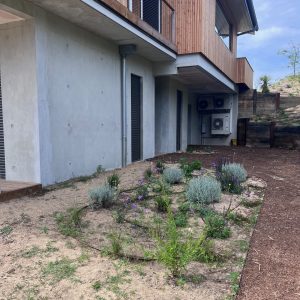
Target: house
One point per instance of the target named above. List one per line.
(109, 82)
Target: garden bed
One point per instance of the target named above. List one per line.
(65, 248)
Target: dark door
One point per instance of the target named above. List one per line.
(242, 132)
(178, 122)
(151, 11)
(2, 152)
(136, 118)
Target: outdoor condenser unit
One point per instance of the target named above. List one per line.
(221, 124)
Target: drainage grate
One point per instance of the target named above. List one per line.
(2, 150)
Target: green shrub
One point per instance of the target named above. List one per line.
(215, 227)
(204, 250)
(231, 177)
(161, 186)
(148, 173)
(172, 175)
(203, 190)
(181, 219)
(102, 197)
(189, 167)
(159, 166)
(171, 251)
(141, 192)
(163, 203)
(113, 180)
(69, 223)
(119, 216)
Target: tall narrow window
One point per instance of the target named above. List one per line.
(223, 27)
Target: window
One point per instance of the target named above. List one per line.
(223, 27)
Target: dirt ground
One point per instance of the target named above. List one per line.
(272, 268)
(29, 241)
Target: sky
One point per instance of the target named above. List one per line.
(279, 27)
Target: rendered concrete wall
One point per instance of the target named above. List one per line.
(20, 104)
(200, 135)
(166, 115)
(80, 106)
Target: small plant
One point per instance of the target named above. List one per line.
(100, 169)
(116, 243)
(69, 223)
(163, 203)
(234, 280)
(161, 186)
(215, 227)
(119, 216)
(203, 190)
(148, 173)
(113, 181)
(171, 251)
(181, 219)
(204, 250)
(172, 175)
(231, 177)
(97, 286)
(6, 230)
(159, 166)
(189, 167)
(102, 197)
(141, 192)
(60, 269)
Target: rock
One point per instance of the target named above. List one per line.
(256, 183)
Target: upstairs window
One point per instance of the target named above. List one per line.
(223, 27)
(147, 10)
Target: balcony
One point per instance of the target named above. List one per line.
(244, 73)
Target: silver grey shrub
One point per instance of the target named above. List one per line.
(173, 175)
(102, 197)
(235, 171)
(203, 190)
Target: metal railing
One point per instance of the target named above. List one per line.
(159, 14)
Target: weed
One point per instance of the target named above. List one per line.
(33, 251)
(45, 229)
(6, 230)
(163, 203)
(215, 227)
(161, 186)
(97, 286)
(113, 181)
(60, 269)
(100, 169)
(84, 257)
(204, 250)
(141, 192)
(237, 218)
(159, 166)
(116, 243)
(181, 219)
(119, 216)
(69, 223)
(234, 280)
(148, 173)
(189, 167)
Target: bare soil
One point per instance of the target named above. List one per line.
(272, 268)
(30, 243)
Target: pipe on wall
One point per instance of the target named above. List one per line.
(125, 51)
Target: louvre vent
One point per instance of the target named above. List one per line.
(2, 151)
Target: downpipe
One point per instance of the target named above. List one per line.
(125, 51)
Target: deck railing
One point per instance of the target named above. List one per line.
(159, 14)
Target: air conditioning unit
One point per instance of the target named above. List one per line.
(221, 124)
(204, 103)
(221, 102)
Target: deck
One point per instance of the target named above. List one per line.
(12, 189)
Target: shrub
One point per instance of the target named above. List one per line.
(113, 181)
(116, 243)
(161, 186)
(203, 190)
(159, 166)
(171, 251)
(163, 203)
(141, 192)
(172, 175)
(204, 250)
(215, 226)
(189, 167)
(181, 219)
(148, 173)
(102, 197)
(231, 177)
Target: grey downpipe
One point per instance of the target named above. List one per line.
(125, 51)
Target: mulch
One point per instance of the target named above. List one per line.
(272, 269)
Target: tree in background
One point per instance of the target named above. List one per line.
(264, 84)
(293, 55)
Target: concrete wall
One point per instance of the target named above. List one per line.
(166, 115)
(201, 125)
(20, 104)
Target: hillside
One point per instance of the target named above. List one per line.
(287, 87)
